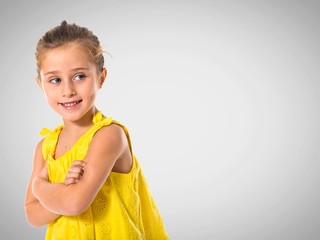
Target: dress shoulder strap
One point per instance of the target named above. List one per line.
(99, 121)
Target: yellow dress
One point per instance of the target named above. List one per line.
(124, 207)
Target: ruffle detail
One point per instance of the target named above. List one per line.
(47, 131)
(100, 120)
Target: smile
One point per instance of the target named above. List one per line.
(71, 104)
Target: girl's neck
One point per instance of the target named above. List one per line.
(74, 127)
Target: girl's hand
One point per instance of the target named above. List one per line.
(75, 172)
(43, 174)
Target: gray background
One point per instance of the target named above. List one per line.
(221, 99)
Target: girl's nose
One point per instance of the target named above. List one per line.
(68, 90)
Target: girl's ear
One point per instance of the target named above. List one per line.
(103, 77)
(39, 82)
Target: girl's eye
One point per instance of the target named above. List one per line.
(79, 77)
(55, 80)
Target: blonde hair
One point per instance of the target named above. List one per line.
(70, 33)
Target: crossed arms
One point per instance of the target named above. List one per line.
(47, 201)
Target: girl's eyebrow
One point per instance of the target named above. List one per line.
(51, 72)
(79, 69)
(74, 70)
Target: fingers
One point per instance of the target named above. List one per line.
(79, 164)
(69, 181)
(75, 172)
(72, 178)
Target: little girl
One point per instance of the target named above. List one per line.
(86, 183)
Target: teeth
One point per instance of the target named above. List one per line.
(70, 104)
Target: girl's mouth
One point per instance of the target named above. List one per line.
(70, 105)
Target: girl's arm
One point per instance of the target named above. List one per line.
(37, 215)
(107, 146)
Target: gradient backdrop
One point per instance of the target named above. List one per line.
(221, 99)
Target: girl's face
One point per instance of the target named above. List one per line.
(70, 81)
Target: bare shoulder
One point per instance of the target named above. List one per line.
(38, 151)
(112, 135)
(110, 132)
(112, 140)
